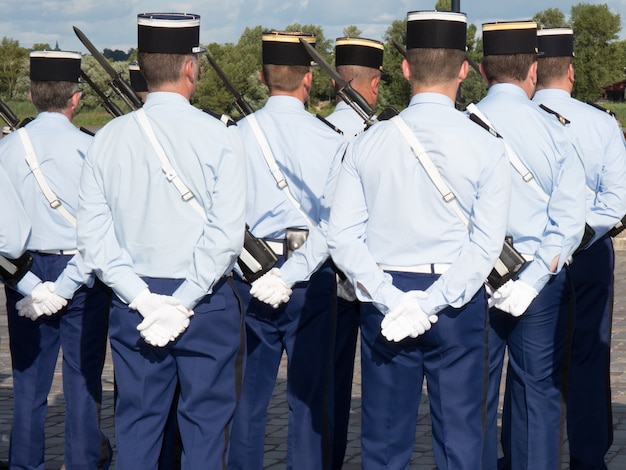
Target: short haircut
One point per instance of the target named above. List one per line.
(432, 66)
(285, 78)
(52, 96)
(159, 69)
(552, 68)
(358, 74)
(506, 67)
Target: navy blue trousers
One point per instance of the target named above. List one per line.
(589, 414)
(80, 330)
(304, 329)
(532, 413)
(451, 356)
(205, 361)
(345, 348)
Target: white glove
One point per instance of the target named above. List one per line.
(271, 289)
(345, 290)
(41, 301)
(513, 297)
(164, 324)
(407, 318)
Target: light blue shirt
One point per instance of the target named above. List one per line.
(60, 149)
(14, 223)
(132, 222)
(308, 152)
(387, 211)
(541, 229)
(599, 141)
(344, 117)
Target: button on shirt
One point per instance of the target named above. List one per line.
(387, 211)
(60, 149)
(600, 143)
(14, 223)
(132, 221)
(544, 230)
(308, 152)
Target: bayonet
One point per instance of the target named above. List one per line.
(119, 85)
(343, 87)
(107, 104)
(240, 102)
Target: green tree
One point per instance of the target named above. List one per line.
(443, 5)
(599, 56)
(351, 31)
(41, 47)
(13, 64)
(550, 18)
(395, 91)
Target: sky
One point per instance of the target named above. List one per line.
(112, 23)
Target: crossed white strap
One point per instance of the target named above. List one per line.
(278, 175)
(166, 166)
(31, 159)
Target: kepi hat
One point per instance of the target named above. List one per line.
(510, 37)
(555, 42)
(57, 66)
(169, 33)
(436, 30)
(284, 48)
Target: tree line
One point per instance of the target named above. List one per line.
(600, 61)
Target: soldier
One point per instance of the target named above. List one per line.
(530, 312)
(44, 160)
(161, 219)
(415, 259)
(137, 81)
(599, 142)
(292, 216)
(359, 61)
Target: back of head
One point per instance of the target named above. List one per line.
(509, 49)
(556, 54)
(164, 42)
(54, 79)
(359, 60)
(436, 44)
(285, 60)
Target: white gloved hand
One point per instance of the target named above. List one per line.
(164, 324)
(41, 301)
(146, 302)
(345, 290)
(513, 297)
(407, 318)
(271, 289)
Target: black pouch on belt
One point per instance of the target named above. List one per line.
(587, 236)
(618, 228)
(256, 258)
(294, 239)
(507, 266)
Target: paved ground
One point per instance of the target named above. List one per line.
(277, 427)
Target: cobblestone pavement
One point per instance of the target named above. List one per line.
(277, 425)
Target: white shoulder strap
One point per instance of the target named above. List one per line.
(278, 175)
(514, 159)
(429, 166)
(166, 166)
(31, 159)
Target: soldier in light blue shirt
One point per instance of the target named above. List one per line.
(306, 151)
(161, 221)
(43, 161)
(417, 264)
(359, 61)
(546, 221)
(600, 144)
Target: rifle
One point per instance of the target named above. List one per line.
(119, 85)
(10, 118)
(344, 90)
(107, 104)
(241, 104)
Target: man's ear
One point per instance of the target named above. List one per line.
(406, 70)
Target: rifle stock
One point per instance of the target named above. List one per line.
(8, 116)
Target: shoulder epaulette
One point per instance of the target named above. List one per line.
(563, 120)
(604, 110)
(329, 124)
(226, 120)
(87, 131)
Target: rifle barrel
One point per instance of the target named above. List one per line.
(242, 105)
